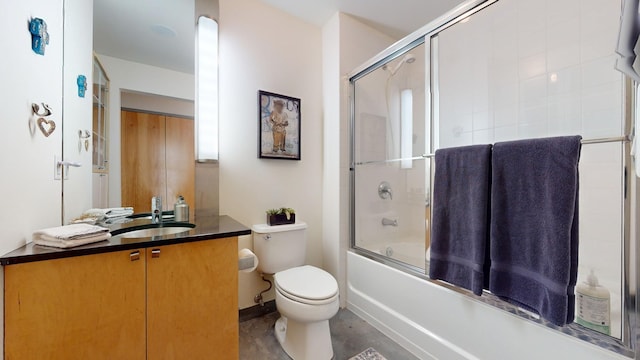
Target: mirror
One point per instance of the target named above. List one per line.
(145, 54)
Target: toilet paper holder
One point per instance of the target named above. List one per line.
(245, 263)
(247, 260)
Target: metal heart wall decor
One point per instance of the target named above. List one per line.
(46, 126)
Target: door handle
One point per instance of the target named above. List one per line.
(134, 256)
(155, 253)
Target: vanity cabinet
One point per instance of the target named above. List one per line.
(84, 307)
(192, 300)
(175, 301)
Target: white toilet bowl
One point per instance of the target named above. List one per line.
(306, 297)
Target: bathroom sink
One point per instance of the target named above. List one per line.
(167, 229)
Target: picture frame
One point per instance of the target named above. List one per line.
(279, 120)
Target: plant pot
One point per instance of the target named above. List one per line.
(280, 219)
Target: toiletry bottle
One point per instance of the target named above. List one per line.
(594, 305)
(181, 210)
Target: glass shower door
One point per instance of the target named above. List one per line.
(391, 176)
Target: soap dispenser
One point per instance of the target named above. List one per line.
(181, 210)
(594, 305)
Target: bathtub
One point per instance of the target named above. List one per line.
(410, 252)
(436, 322)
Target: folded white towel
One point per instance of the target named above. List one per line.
(118, 214)
(119, 209)
(108, 213)
(45, 240)
(70, 232)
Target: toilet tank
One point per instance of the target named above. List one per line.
(279, 247)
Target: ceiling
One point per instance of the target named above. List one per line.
(155, 32)
(161, 32)
(396, 18)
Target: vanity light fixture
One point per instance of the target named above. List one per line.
(206, 104)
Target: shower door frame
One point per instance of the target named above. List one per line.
(417, 38)
(428, 35)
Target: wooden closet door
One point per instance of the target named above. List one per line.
(143, 160)
(181, 170)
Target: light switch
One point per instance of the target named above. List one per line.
(57, 168)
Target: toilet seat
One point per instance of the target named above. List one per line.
(307, 284)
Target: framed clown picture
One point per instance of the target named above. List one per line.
(279, 128)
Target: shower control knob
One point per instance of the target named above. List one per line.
(384, 191)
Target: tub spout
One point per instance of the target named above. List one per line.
(389, 222)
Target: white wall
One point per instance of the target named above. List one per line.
(262, 48)
(332, 248)
(155, 103)
(78, 60)
(30, 194)
(346, 44)
(135, 77)
(537, 73)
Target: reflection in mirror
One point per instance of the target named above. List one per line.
(157, 150)
(76, 109)
(100, 164)
(147, 54)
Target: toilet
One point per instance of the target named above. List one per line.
(306, 296)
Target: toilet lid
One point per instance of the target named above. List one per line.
(307, 282)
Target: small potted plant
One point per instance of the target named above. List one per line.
(281, 216)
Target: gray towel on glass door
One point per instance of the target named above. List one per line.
(534, 225)
(460, 230)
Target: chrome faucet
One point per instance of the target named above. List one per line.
(156, 210)
(389, 222)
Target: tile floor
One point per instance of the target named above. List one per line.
(350, 336)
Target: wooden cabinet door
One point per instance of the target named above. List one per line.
(181, 159)
(85, 307)
(143, 165)
(192, 300)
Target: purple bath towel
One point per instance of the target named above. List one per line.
(460, 230)
(534, 225)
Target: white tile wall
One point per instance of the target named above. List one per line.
(531, 68)
(555, 56)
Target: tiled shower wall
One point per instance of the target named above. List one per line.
(529, 68)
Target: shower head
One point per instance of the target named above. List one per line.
(407, 59)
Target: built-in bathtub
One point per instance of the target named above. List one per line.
(408, 252)
(436, 322)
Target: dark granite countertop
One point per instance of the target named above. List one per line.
(215, 227)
